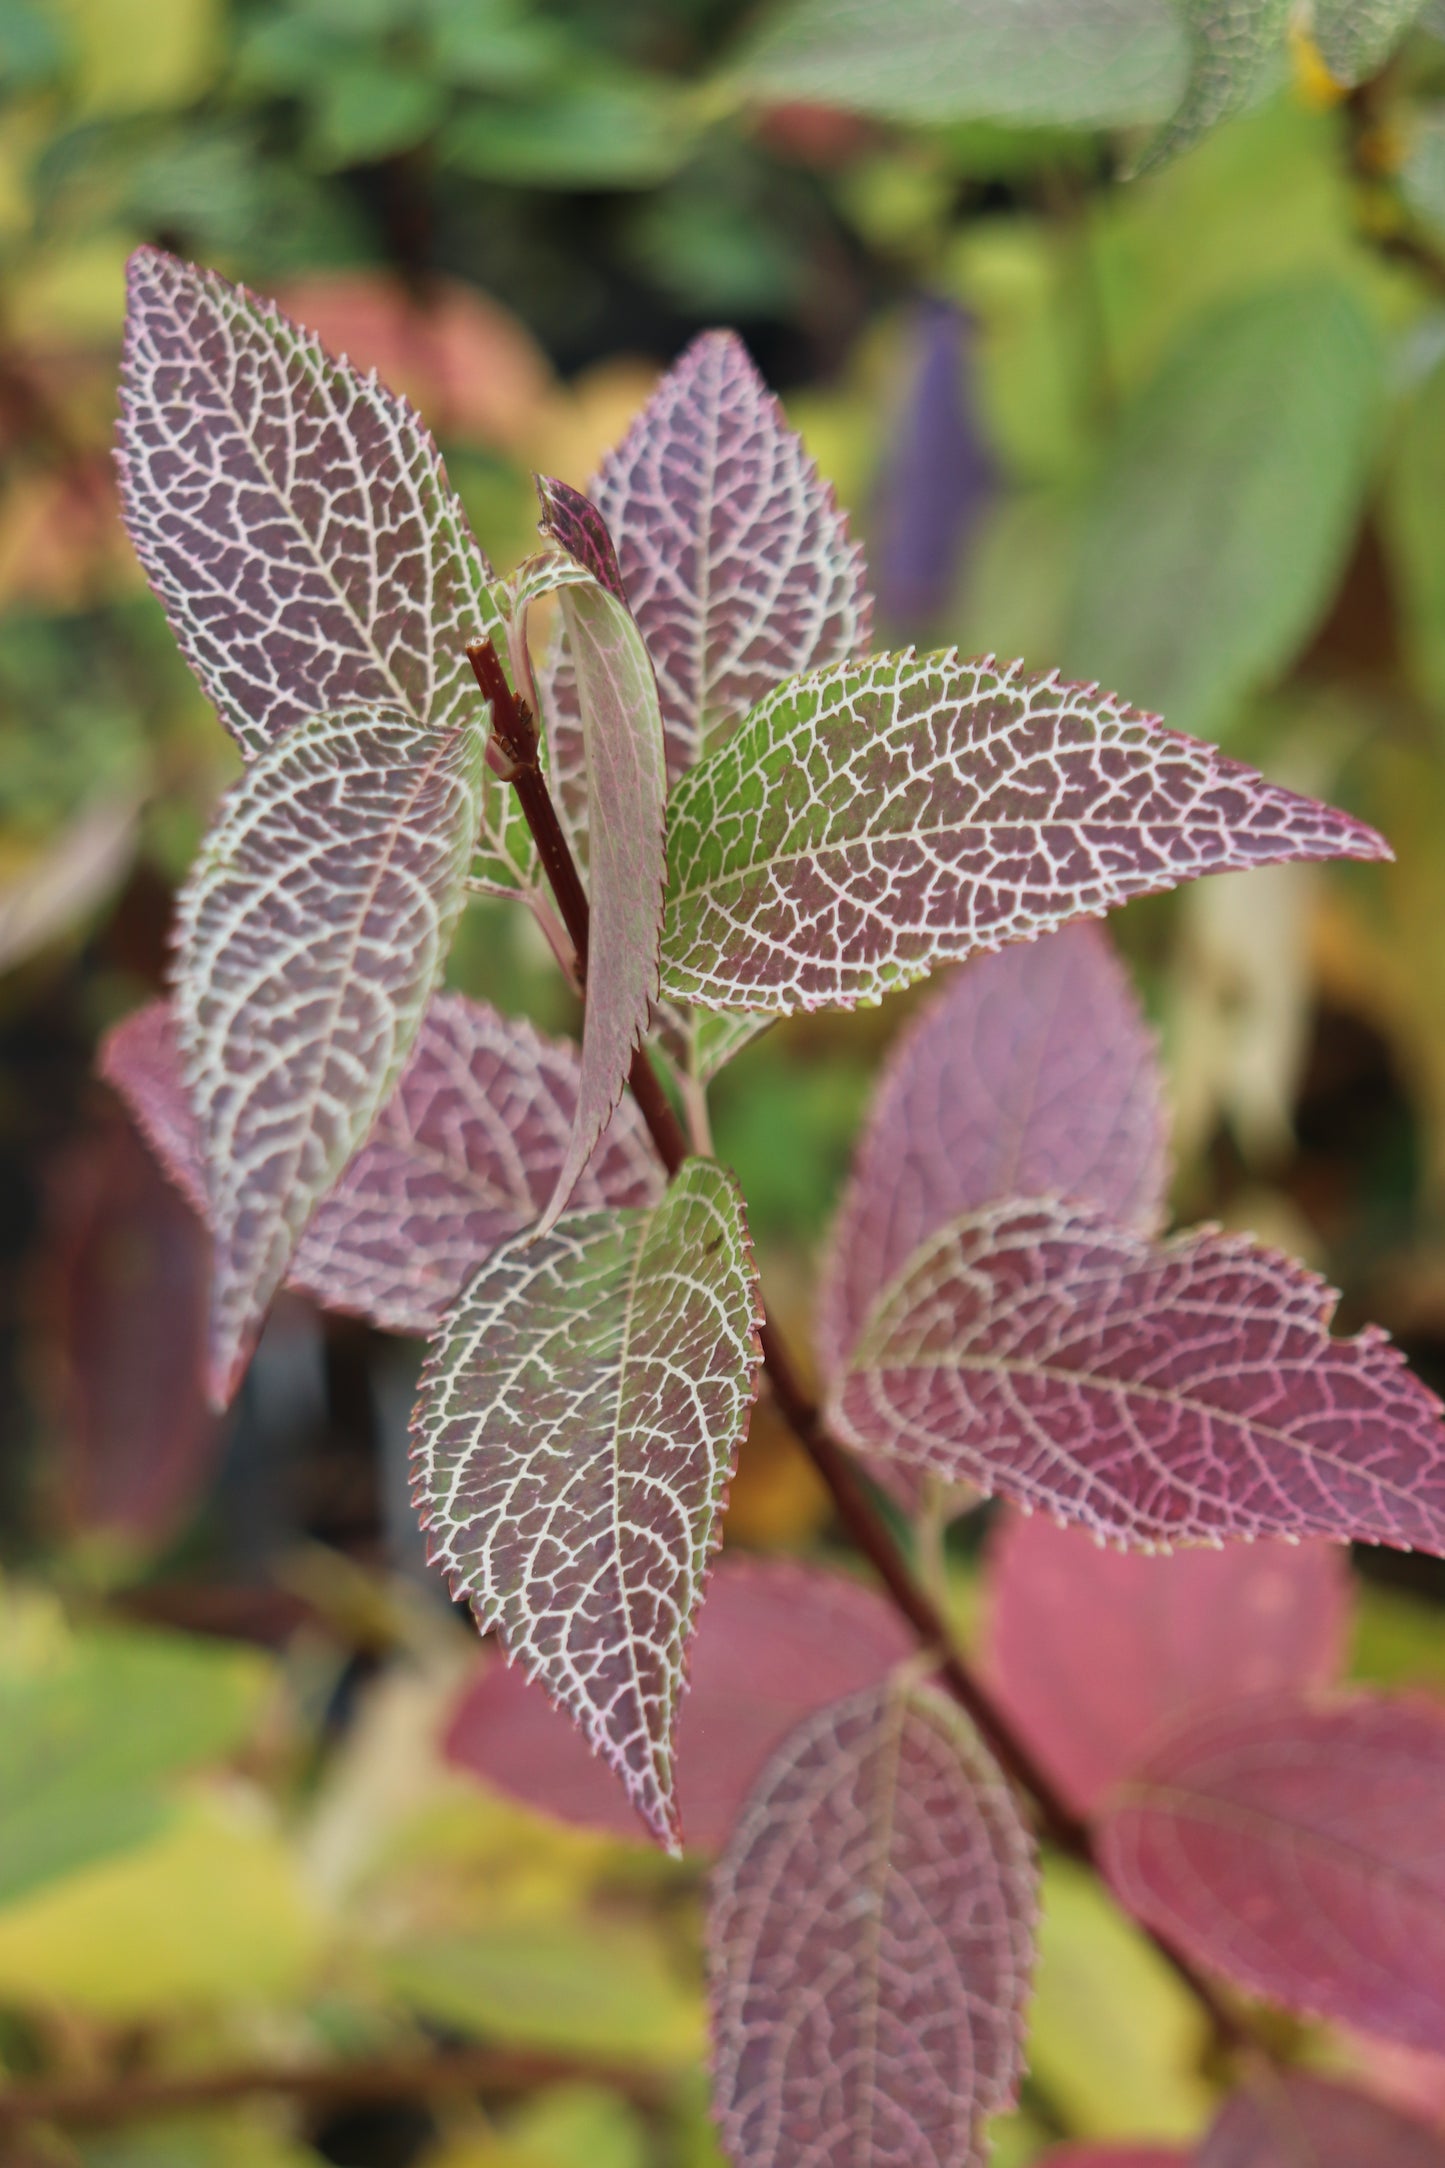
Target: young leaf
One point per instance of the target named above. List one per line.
(1232, 43)
(1294, 2121)
(463, 1154)
(877, 819)
(870, 1942)
(313, 927)
(579, 1417)
(1357, 37)
(579, 530)
(776, 1640)
(1032, 1074)
(1297, 1849)
(296, 522)
(735, 557)
(1166, 1638)
(1177, 1392)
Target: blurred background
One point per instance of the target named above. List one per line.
(1185, 435)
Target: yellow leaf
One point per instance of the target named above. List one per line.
(74, 291)
(139, 56)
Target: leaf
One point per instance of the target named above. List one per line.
(1296, 1849)
(1032, 1074)
(463, 1154)
(1228, 504)
(734, 555)
(1294, 2121)
(937, 473)
(870, 1941)
(1232, 43)
(1165, 1638)
(776, 1640)
(1177, 1392)
(1112, 2156)
(578, 528)
(296, 522)
(577, 1426)
(877, 819)
(49, 894)
(947, 60)
(1357, 37)
(314, 925)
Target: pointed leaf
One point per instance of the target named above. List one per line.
(877, 819)
(870, 1942)
(578, 528)
(1300, 1851)
(776, 1640)
(1357, 37)
(1176, 1392)
(313, 928)
(1032, 1074)
(735, 557)
(1093, 1652)
(295, 519)
(1293, 2121)
(1232, 43)
(463, 1154)
(579, 1418)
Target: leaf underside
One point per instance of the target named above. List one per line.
(1294, 2119)
(1298, 1850)
(1185, 1391)
(870, 1943)
(464, 1153)
(1232, 43)
(311, 931)
(577, 1426)
(873, 821)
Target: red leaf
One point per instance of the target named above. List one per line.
(1300, 2122)
(574, 523)
(776, 1640)
(1158, 1393)
(1113, 2156)
(1032, 1074)
(870, 1940)
(1299, 1850)
(464, 1154)
(1094, 1651)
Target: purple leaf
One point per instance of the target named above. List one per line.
(463, 1154)
(776, 1640)
(735, 557)
(871, 1938)
(877, 819)
(1299, 1850)
(1033, 1073)
(576, 526)
(937, 476)
(578, 1422)
(1177, 1392)
(1113, 2156)
(296, 522)
(1093, 1652)
(1292, 2121)
(314, 925)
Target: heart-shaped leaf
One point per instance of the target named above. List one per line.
(1165, 1637)
(1298, 1850)
(464, 1153)
(1176, 1392)
(578, 1421)
(776, 1640)
(877, 819)
(313, 927)
(1232, 43)
(871, 1939)
(295, 519)
(1032, 1074)
(1294, 2121)
(1357, 37)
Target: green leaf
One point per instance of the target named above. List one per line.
(1232, 45)
(1093, 64)
(1413, 517)
(1357, 37)
(369, 110)
(1422, 177)
(1227, 507)
(627, 131)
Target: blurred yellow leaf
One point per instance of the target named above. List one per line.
(238, 2137)
(137, 56)
(72, 290)
(567, 2126)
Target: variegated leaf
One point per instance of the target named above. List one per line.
(735, 557)
(1032, 1074)
(463, 1154)
(578, 528)
(295, 519)
(313, 927)
(871, 1940)
(1177, 1392)
(1290, 2120)
(1299, 1850)
(1357, 37)
(875, 820)
(579, 1418)
(1232, 43)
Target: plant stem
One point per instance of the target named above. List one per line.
(870, 1533)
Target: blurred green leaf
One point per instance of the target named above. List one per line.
(1357, 37)
(369, 109)
(1398, 1642)
(1235, 49)
(1227, 506)
(1422, 176)
(139, 56)
(492, 44)
(237, 2138)
(1413, 517)
(31, 47)
(624, 133)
